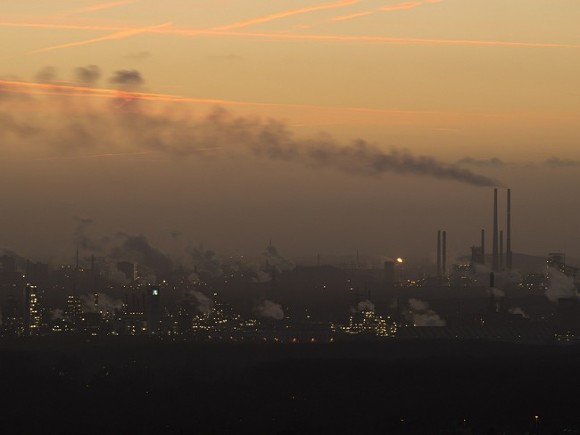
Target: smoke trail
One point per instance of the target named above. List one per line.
(176, 132)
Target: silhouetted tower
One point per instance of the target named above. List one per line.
(495, 247)
(501, 257)
(444, 253)
(482, 246)
(509, 231)
(439, 253)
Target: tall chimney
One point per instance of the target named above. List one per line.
(495, 251)
(501, 250)
(444, 254)
(482, 246)
(508, 259)
(439, 253)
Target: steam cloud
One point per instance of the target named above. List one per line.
(205, 261)
(365, 305)
(121, 247)
(561, 286)
(202, 302)
(176, 132)
(519, 311)
(271, 310)
(276, 260)
(106, 303)
(422, 315)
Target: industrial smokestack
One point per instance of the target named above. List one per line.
(439, 253)
(495, 250)
(482, 246)
(501, 250)
(444, 254)
(509, 231)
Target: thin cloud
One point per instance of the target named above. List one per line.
(114, 36)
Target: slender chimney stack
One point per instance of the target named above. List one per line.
(501, 263)
(495, 250)
(439, 253)
(508, 259)
(482, 246)
(444, 254)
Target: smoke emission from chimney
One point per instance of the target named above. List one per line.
(175, 131)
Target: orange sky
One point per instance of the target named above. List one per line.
(447, 79)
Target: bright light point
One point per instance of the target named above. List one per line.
(399, 260)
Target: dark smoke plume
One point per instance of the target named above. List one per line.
(175, 131)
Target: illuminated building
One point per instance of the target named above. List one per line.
(368, 323)
(73, 311)
(32, 316)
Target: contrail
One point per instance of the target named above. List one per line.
(96, 7)
(52, 89)
(127, 33)
(70, 90)
(379, 39)
(389, 8)
(299, 37)
(284, 14)
(114, 36)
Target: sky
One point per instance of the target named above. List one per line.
(323, 126)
